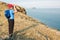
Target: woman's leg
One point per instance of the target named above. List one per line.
(11, 25)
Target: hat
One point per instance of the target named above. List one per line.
(10, 5)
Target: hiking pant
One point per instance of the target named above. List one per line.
(11, 25)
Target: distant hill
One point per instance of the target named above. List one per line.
(26, 28)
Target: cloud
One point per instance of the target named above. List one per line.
(42, 4)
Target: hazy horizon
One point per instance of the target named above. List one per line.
(35, 3)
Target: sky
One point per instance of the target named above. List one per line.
(35, 3)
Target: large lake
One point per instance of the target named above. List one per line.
(48, 16)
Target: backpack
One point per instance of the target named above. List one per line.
(7, 13)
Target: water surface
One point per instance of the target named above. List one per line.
(49, 16)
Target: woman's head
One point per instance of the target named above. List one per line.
(10, 6)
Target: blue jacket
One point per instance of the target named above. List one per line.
(10, 12)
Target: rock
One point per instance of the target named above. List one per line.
(20, 9)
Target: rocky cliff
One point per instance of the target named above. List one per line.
(25, 27)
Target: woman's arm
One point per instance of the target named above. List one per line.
(15, 9)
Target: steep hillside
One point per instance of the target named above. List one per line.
(26, 28)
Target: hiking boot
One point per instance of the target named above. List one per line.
(9, 38)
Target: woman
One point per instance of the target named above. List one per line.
(9, 13)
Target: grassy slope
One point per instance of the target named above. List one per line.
(26, 28)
